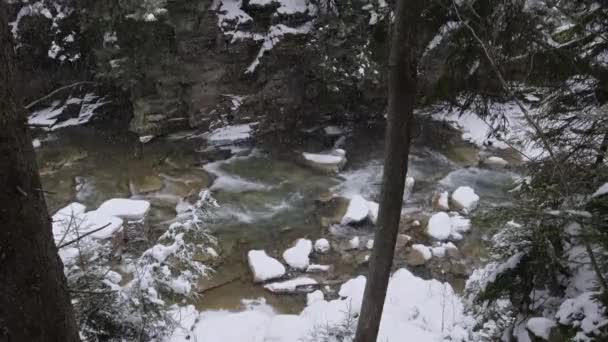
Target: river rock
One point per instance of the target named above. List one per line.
(402, 241)
(263, 267)
(465, 199)
(494, 162)
(331, 162)
(128, 209)
(418, 255)
(297, 256)
(300, 284)
(322, 246)
(440, 201)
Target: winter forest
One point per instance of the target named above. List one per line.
(303, 170)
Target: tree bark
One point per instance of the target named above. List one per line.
(403, 64)
(34, 301)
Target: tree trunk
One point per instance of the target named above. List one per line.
(34, 301)
(403, 63)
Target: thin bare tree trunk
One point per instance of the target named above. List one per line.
(403, 63)
(34, 301)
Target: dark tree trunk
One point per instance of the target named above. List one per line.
(403, 63)
(34, 301)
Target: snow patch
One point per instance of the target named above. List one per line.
(264, 267)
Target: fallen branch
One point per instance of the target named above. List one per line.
(229, 281)
(35, 102)
(82, 236)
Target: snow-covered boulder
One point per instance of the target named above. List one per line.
(314, 297)
(354, 243)
(264, 267)
(373, 211)
(322, 246)
(439, 226)
(128, 209)
(358, 210)
(442, 226)
(465, 199)
(231, 134)
(300, 284)
(297, 256)
(495, 162)
(332, 161)
(541, 327)
(72, 221)
(418, 255)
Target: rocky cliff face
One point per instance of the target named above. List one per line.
(202, 63)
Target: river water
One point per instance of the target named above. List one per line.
(267, 198)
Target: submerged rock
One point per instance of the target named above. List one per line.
(264, 267)
(145, 184)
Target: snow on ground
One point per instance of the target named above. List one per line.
(540, 327)
(264, 267)
(128, 209)
(465, 198)
(49, 118)
(290, 286)
(297, 256)
(481, 133)
(421, 310)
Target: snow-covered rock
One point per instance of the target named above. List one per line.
(313, 268)
(36, 143)
(439, 226)
(418, 255)
(354, 243)
(442, 226)
(297, 256)
(231, 134)
(369, 244)
(72, 221)
(291, 286)
(373, 211)
(465, 199)
(322, 246)
(264, 267)
(128, 209)
(495, 162)
(541, 327)
(409, 186)
(358, 210)
(332, 161)
(314, 297)
(602, 190)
